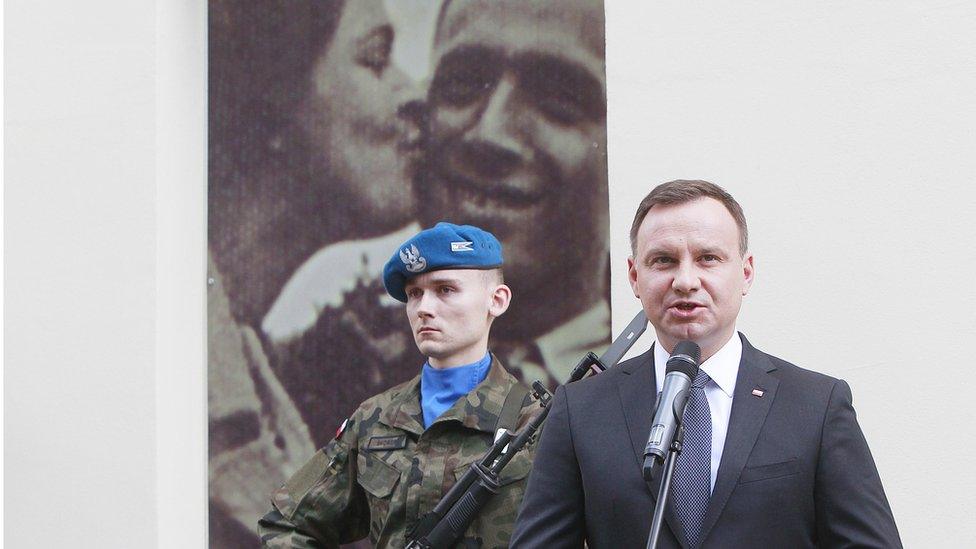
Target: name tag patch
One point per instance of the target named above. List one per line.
(386, 443)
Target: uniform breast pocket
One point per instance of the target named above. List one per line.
(379, 479)
(515, 471)
(495, 522)
(769, 471)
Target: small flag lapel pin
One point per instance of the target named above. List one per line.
(758, 393)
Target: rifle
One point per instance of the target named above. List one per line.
(446, 523)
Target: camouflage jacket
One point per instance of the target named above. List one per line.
(384, 471)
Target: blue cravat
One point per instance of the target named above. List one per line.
(441, 388)
(692, 470)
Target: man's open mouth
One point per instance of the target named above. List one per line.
(686, 306)
(488, 194)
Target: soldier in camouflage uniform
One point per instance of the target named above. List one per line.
(402, 450)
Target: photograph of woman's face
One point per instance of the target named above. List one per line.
(349, 116)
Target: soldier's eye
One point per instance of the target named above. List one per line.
(373, 50)
(465, 75)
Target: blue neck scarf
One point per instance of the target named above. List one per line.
(441, 388)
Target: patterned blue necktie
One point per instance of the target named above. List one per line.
(692, 471)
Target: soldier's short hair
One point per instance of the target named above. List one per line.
(496, 276)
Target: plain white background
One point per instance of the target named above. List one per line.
(846, 130)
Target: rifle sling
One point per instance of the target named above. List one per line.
(508, 417)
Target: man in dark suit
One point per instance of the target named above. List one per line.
(773, 455)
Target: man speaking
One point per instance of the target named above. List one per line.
(773, 453)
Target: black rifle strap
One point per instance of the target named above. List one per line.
(508, 417)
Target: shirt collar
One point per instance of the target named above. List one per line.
(722, 367)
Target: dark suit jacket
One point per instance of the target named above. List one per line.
(795, 471)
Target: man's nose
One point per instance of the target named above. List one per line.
(425, 305)
(494, 145)
(686, 279)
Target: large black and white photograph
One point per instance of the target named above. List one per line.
(487, 273)
(336, 131)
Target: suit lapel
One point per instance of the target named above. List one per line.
(638, 392)
(638, 399)
(745, 422)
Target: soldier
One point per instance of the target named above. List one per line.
(402, 450)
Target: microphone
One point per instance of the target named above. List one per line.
(680, 372)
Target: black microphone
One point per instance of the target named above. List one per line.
(681, 371)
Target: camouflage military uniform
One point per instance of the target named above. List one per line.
(384, 471)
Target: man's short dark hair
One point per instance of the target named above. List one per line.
(681, 191)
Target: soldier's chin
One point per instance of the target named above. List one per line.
(430, 349)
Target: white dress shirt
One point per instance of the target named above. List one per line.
(723, 368)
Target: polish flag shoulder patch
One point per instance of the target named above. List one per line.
(342, 428)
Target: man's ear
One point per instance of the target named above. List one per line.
(501, 297)
(748, 272)
(632, 275)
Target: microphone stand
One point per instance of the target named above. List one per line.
(664, 491)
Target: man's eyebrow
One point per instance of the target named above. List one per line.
(655, 252)
(544, 70)
(463, 55)
(446, 280)
(443, 280)
(465, 73)
(658, 251)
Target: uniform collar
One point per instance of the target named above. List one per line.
(479, 409)
(404, 410)
(722, 367)
(440, 388)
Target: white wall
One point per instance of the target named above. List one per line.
(80, 273)
(845, 129)
(105, 202)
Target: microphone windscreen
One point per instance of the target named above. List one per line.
(685, 359)
(689, 348)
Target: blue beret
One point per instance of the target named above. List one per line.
(445, 246)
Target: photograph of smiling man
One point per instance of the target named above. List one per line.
(772, 455)
(339, 129)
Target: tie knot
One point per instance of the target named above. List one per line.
(701, 379)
